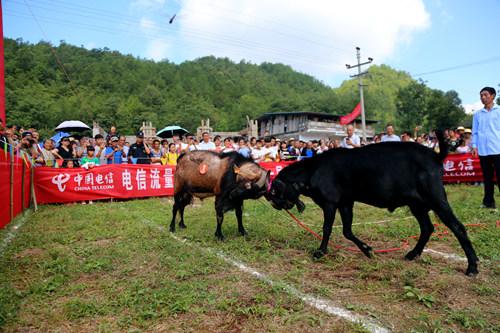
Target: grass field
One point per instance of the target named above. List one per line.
(113, 266)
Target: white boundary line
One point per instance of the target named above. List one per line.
(13, 232)
(446, 255)
(318, 303)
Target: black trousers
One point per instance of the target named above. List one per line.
(490, 164)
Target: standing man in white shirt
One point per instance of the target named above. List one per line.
(390, 135)
(351, 140)
(206, 144)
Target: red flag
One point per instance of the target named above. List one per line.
(350, 117)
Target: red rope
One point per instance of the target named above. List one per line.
(60, 63)
(440, 234)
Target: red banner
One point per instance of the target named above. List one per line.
(130, 181)
(103, 182)
(350, 117)
(462, 167)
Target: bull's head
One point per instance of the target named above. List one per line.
(285, 195)
(252, 184)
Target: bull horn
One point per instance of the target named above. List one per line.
(262, 180)
(248, 174)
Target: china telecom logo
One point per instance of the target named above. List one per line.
(59, 180)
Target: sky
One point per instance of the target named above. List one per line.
(449, 44)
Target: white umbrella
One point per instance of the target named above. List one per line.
(72, 126)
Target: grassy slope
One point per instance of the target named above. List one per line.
(113, 266)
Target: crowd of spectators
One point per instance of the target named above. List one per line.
(78, 151)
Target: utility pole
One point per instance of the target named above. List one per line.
(360, 85)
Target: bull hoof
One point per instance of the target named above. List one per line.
(472, 272)
(182, 225)
(172, 229)
(220, 237)
(410, 256)
(318, 254)
(368, 251)
(243, 232)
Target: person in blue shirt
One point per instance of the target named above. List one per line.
(308, 151)
(114, 153)
(242, 147)
(486, 143)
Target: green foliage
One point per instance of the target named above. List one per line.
(444, 109)
(411, 105)
(124, 91)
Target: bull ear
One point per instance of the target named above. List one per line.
(236, 169)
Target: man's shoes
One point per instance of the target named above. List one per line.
(488, 206)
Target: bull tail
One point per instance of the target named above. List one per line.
(443, 148)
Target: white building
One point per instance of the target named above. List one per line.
(305, 125)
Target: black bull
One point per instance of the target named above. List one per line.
(385, 175)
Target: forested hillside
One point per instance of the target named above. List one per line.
(125, 91)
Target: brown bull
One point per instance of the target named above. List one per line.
(230, 177)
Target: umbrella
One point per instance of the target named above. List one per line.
(170, 131)
(72, 126)
(59, 135)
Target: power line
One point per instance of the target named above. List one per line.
(207, 46)
(471, 64)
(197, 33)
(318, 63)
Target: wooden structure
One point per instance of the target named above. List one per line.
(148, 130)
(248, 132)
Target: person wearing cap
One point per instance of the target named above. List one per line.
(28, 145)
(114, 153)
(140, 150)
(290, 145)
(486, 143)
(460, 132)
(100, 149)
(468, 137)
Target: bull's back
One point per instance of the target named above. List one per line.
(199, 172)
(383, 175)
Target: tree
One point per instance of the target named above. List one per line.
(411, 106)
(444, 110)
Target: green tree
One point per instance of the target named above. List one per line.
(411, 106)
(444, 110)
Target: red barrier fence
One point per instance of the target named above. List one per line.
(14, 174)
(111, 181)
(133, 180)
